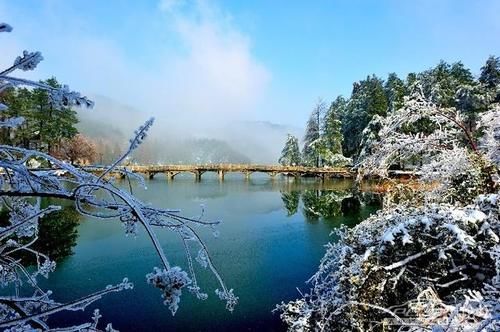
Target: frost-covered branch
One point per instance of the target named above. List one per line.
(96, 196)
(433, 267)
(437, 145)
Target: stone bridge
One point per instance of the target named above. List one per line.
(221, 169)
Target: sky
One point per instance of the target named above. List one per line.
(206, 62)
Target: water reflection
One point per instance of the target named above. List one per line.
(57, 234)
(327, 203)
(291, 201)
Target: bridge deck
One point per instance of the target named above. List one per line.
(238, 168)
(221, 169)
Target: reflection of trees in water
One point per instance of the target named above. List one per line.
(291, 201)
(321, 203)
(57, 233)
(326, 203)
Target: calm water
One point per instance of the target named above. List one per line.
(270, 242)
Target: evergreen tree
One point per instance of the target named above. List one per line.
(395, 91)
(332, 125)
(290, 155)
(441, 83)
(45, 124)
(460, 75)
(21, 105)
(490, 73)
(411, 84)
(310, 153)
(471, 101)
(54, 123)
(368, 99)
(376, 101)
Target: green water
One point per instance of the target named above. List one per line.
(271, 240)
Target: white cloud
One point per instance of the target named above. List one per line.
(219, 73)
(209, 74)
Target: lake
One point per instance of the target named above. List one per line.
(271, 240)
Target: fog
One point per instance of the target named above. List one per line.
(183, 139)
(185, 63)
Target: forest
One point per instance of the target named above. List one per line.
(341, 132)
(430, 259)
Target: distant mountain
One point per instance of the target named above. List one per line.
(111, 123)
(262, 141)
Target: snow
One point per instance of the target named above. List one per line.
(460, 234)
(93, 196)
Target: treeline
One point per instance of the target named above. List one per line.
(47, 126)
(338, 133)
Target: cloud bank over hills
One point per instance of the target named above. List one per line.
(111, 123)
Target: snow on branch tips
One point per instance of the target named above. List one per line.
(438, 145)
(429, 265)
(430, 259)
(96, 196)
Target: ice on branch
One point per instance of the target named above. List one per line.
(490, 141)
(374, 271)
(170, 282)
(141, 134)
(444, 152)
(23, 188)
(28, 61)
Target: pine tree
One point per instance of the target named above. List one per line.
(368, 99)
(46, 122)
(290, 155)
(310, 153)
(441, 83)
(376, 102)
(54, 123)
(332, 126)
(490, 72)
(395, 91)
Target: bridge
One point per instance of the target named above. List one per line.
(171, 171)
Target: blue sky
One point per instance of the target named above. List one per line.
(256, 60)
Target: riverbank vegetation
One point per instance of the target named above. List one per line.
(24, 305)
(46, 126)
(430, 260)
(348, 126)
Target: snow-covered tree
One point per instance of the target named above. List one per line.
(490, 72)
(441, 83)
(332, 124)
(489, 142)
(368, 99)
(323, 139)
(432, 268)
(22, 190)
(430, 260)
(310, 154)
(450, 150)
(290, 155)
(395, 91)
